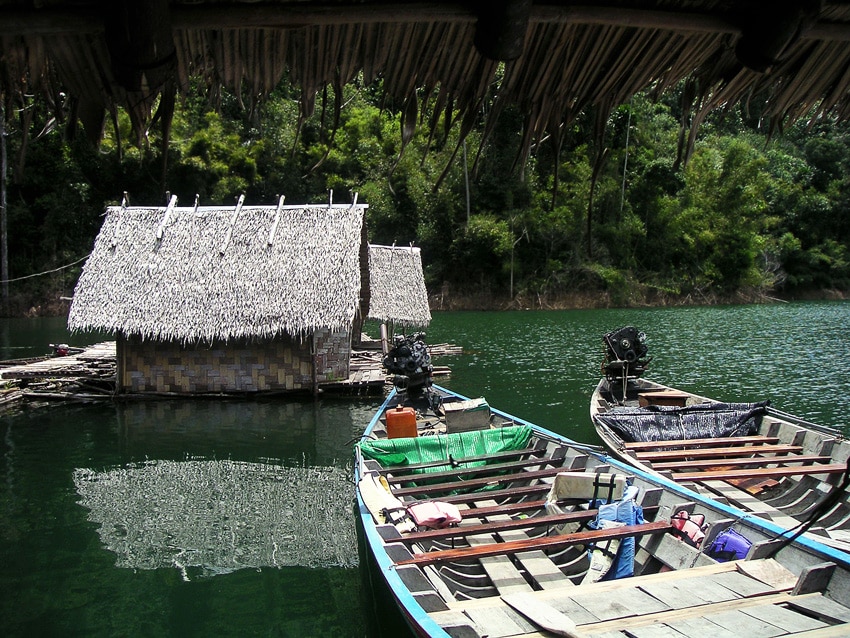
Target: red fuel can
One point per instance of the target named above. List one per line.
(401, 422)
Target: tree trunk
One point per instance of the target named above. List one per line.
(4, 238)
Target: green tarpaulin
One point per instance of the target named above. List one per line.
(460, 445)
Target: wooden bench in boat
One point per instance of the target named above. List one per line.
(476, 470)
(477, 483)
(712, 442)
(507, 576)
(702, 453)
(575, 464)
(582, 516)
(746, 461)
(764, 472)
(507, 493)
(672, 398)
(752, 597)
(549, 542)
(451, 462)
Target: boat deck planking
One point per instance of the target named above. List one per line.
(722, 597)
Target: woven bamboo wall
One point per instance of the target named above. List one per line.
(264, 366)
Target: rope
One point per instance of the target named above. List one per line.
(46, 272)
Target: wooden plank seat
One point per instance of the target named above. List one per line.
(507, 493)
(524, 506)
(475, 470)
(558, 541)
(414, 467)
(477, 483)
(738, 462)
(702, 453)
(766, 472)
(499, 526)
(509, 508)
(712, 442)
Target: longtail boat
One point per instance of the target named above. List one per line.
(483, 524)
(750, 455)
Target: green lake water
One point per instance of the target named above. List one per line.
(233, 518)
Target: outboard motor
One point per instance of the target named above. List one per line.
(410, 362)
(625, 354)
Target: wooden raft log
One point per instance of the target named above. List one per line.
(559, 541)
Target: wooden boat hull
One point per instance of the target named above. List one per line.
(512, 567)
(779, 471)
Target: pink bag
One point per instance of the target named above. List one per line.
(434, 514)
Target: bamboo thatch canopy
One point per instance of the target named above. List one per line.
(561, 57)
(397, 286)
(214, 273)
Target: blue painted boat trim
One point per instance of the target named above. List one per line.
(418, 619)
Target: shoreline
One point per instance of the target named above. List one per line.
(603, 299)
(483, 301)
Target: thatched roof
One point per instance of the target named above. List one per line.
(397, 285)
(208, 273)
(792, 56)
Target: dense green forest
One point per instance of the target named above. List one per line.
(620, 220)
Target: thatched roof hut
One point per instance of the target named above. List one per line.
(559, 57)
(397, 286)
(193, 274)
(214, 299)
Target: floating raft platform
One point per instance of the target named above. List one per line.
(97, 361)
(91, 374)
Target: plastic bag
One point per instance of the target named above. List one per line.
(434, 514)
(729, 545)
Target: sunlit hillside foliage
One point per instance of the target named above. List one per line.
(745, 216)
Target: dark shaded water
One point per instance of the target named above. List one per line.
(217, 518)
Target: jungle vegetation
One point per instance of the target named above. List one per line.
(747, 216)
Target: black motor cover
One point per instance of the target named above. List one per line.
(625, 353)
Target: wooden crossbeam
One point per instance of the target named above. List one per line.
(508, 508)
(413, 467)
(559, 541)
(477, 483)
(747, 461)
(524, 506)
(702, 453)
(765, 472)
(500, 526)
(712, 442)
(511, 492)
(478, 469)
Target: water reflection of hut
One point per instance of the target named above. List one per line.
(223, 299)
